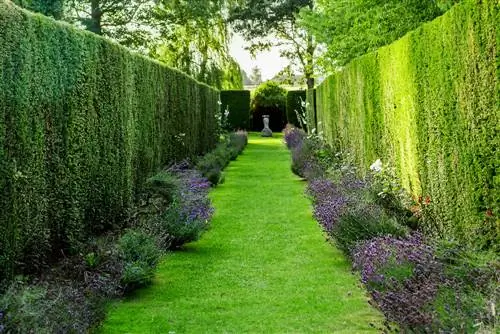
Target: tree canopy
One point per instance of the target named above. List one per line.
(273, 24)
(350, 28)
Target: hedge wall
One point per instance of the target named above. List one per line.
(428, 105)
(294, 99)
(238, 104)
(82, 123)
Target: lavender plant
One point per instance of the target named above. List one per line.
(403, 277)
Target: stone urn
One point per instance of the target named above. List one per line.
(266, 132)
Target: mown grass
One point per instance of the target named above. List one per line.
(264, 267)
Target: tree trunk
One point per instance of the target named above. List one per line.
(96, 17)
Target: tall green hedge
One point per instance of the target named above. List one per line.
(82, 123)
(428, 105)
(237, 102)
(294, 100)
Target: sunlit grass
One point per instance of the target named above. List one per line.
(264, 267)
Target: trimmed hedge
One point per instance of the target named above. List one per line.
(428, 105)
(238, 104)
(83, 122)
(294, 99)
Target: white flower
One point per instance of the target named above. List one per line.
(376, 166)
(219, 102)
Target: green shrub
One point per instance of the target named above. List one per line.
(364, 222)
(140, 256)
(269, 98)
(467, 300)
(43, 308)
(237, 102)
(294, 106)
(428, 105)
(211, 164)
(180, 229)
(84, 122)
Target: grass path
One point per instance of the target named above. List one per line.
(264, 267)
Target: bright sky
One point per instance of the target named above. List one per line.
(269, 63)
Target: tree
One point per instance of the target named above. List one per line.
(269, 98)
(128, 22)
(273, 24)
(256, 76)
(191, 36)
(350, 28)
(195, 39)
(52, 8)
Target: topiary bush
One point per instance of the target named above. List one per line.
(269, 98)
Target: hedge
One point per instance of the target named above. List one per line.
(82, 123)
(237, 102)
(294, 100)
(428, 105)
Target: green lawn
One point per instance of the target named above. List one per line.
(264, 267)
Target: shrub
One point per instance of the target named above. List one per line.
(187, 217)
(140, 256)
(403, 278)
(269, 98)
(40, 308)
(467, 298)
(293, 136)
(364, 222)
(212, 164)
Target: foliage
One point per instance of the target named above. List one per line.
(52, 8)
(140, 256)
(212, 163)
(364, 222)
(293, 136)
(273, 24)
(194, 38)
(403, 278)
(269, 98)
(126, 22)
(28, 308)
(295, 103)
(468, 298)
(429, 290)
(426, 105)
(186, 217)
(76, 141)
(237, 103)
(378, 23)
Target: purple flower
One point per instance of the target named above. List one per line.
(402, 299)
(294, 137)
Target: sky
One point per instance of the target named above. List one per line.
(270, 63)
